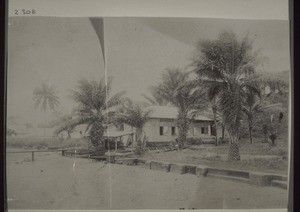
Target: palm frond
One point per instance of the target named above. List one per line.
(116, 99)
(132, 114)
(150, 100)
(45, 96)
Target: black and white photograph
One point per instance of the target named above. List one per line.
(147, 113)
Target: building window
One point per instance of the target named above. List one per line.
(161, 130)
(173, 131)
(202, 130)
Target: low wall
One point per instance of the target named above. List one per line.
(253, 178)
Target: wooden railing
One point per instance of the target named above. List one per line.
(34, 151)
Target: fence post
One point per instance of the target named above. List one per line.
(32, 155)
(63, 152)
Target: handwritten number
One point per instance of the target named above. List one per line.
(25, 12)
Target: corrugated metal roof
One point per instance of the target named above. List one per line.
(169, 112)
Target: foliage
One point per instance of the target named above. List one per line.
(94, 107)
(278, 83)
(135, 116)
(11, 132)
(183, 94)
(274, 102)
(155, 98)
(229, 63)
(64, 123)
(194, 141)
(251, 107)
(263, 124)
(45, 97)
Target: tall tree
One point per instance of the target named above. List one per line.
(135, 116)
(252, 106)
(183, 94)
(155, 98)
(94, 107)
(45, 97)
(228, 62)
(212, 92)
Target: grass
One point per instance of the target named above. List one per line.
(44, 143)
(255, 157)
(257, 148)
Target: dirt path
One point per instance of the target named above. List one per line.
(52, 182)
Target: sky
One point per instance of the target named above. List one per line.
(59, 51)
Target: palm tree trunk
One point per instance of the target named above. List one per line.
(96, 134)
(223, 132)
(234, 147)
(250, 129)
(183, 126)
(45, 120)
(138, 135)
(265, 132)
(69, 135)
(266, 138)
(215, 125)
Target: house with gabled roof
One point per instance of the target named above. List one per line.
(162, 127)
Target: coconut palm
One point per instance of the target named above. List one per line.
(155, 98)
(45, 97)
(95, 107)
(277, 96)
(212, 92)
(134, 115)
(187, 96)
(251, 107)
(229, 63)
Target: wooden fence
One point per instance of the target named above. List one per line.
(34, 151)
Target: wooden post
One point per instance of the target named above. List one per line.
(32, 155)
(116, 145)
(63, 152)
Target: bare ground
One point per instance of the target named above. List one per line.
(53, 182)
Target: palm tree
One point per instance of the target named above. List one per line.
(212, 92)
(155, 98)
(229, 63)
(95, 107)
(45, 97)
(183, 94)
(64, 123)
(135, 116)
(252, 106)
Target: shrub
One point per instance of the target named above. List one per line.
(194, 141)
(10, 132)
